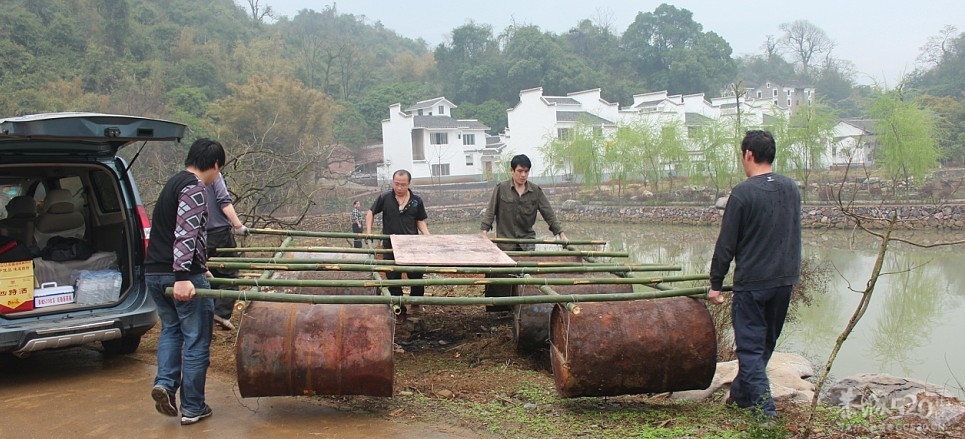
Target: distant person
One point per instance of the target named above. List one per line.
(761, 231)
(403, 213)
(177, 257)
(357, 222)
(223, 224)
(513, 208)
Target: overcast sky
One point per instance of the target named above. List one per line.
(881, 37)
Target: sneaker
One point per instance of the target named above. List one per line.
(188, 420)
(164, 401)
(224, 323)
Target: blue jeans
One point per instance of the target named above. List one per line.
(183, 348)
(758, 318)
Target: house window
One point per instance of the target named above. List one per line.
(788, 102)
(440, 170)
(759, 94)
(768, 85)
(439, 139)
(420, 112)
(597, 132)
(774, 93)
(468, 139)
(789, 92)
(563, 133)
(468, 159)
(442, 110)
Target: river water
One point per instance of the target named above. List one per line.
(914, 326)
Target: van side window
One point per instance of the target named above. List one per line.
(105, 191)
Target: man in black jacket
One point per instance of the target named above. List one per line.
(177, 258)
(761, 232)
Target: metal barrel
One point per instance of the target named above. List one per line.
(622, 348)
(531, 323)
(291, 349)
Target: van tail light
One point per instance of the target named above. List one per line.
(145, 225)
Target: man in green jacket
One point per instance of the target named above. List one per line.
(513, 208)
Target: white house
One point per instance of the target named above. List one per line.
(536, 120)
(852, 144)
(434, 147)
(425, 140)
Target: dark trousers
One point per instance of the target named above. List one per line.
(758, 318)
(357, 229)
(397, 291)
(221, 237)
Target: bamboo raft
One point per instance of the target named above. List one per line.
(603, 338)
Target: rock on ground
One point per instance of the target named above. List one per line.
(898, 396)
(787, 372)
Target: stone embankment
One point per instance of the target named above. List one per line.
(911, 216)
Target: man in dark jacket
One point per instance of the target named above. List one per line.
(177, 258)
(761, 232)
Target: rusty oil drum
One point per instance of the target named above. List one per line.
(531, 323)
(291, 349)
(623, 348)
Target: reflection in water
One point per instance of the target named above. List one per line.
(909, 313)
(911, 328)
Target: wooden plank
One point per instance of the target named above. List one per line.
(448, 250)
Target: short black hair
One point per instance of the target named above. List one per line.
(520, 160)
(761, 144)
(204, 154)
(402, 172)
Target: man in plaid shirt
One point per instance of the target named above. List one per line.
(357, 222)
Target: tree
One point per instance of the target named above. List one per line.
(470, 65)
(806, 139)
(279, 135)
(806, 42)
(905, 133)
(577, 156)
(717, 149)
(670, 50)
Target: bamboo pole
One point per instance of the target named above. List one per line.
(437, 269)
(384, 251)
(580, 253)
(266, 274)
(549, 241)
(308, 250)
(696, 292)
(375, 236)
(264, 260)
(350, 283)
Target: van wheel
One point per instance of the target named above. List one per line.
(121, 346)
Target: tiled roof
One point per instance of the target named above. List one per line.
(581, 116)
(446, 122)
(867, 125)
(561, 100)
(429, 103)
(697, 119)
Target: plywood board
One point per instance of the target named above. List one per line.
(448, 250)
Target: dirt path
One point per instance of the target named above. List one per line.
(79, 393)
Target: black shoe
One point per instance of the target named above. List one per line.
(164, 401)
(188, 420)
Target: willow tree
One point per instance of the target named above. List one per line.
(906, 137)
(577, 155)
(717, 155)
(806, 139)
(624, 155)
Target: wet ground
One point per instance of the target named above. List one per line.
(79, 393)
